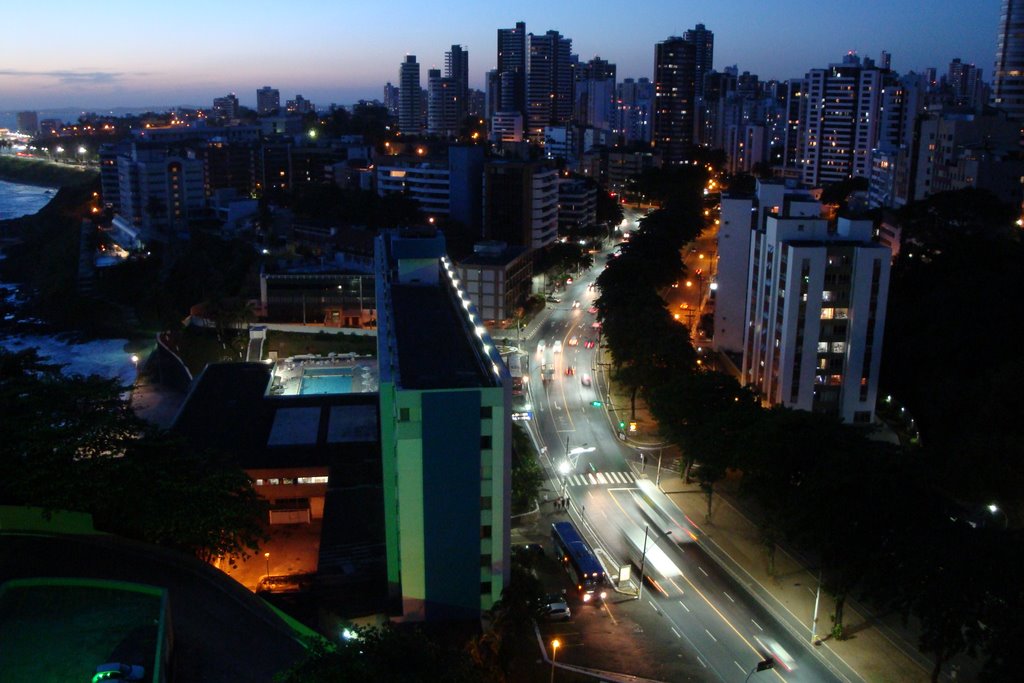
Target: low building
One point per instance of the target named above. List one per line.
(577, 206)
(496, 278)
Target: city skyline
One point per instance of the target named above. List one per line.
(347, 53)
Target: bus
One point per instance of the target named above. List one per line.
(579, 560)
(515, 369)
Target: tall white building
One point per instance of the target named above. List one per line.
(839, 120)
(410, 97)
(815, 309)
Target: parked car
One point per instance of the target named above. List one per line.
(555, 608)
(118, 672)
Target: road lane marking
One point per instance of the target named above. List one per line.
(609, 611)
(738, 666)
(702, 571)
(710, 636)
(653, 606)
(728, 596)
(757, 625)
(676, 632)
(809, 590)
(684, 606)
(702, 662)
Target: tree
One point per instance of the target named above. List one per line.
(73, 443)
(527, 475)
(505, 647)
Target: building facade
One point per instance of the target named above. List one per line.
(1008, 75)
(268, 101)
(410, 97)
(445, 437)
(675, 74)
(520, 203)
(815, 311)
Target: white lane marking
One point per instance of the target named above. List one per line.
(601, 478)
(738, 666)
(653, 606)
(710, 636)
(684, 606)
(675, 632)
(702, 662)
(702, 571)
(809, 590)
(757, 625)
(728, 596)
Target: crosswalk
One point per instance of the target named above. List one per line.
(600, 479)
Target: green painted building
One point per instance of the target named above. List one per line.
(445, 436)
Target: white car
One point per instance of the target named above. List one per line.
(557, 347)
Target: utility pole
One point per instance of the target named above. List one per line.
(814, 619)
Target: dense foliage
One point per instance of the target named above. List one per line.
(73, 443)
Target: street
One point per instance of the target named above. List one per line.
(619, 509)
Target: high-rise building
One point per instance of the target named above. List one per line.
(268, 101)
(445, 436)
(520, 203)
(634, 104)
(549, 81)
(704, 52)
(839, 120)
(511, 68)
(1008, 75)
(27, 122)
(964, 81)
(410, 97)
(675, 72)
(815, 307)
(595, 94)
(443, 105)
(456, 67)
(391, 98)
(226, 107)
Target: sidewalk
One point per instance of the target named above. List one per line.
(733, 541)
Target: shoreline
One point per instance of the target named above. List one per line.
(32, 183)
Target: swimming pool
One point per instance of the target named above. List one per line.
(326, 382)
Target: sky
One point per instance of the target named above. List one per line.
(107, 54)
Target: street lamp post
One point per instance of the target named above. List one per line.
(643, 559)
(555, 644)
(266, 556)
(135, 365)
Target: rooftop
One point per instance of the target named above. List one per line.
(434, 350)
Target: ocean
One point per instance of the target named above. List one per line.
(21, 200)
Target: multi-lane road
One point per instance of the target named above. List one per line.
(709, 612)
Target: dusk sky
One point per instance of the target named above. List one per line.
(114, 53)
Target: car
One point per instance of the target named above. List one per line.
(573, 341)
(585, 380)
(555, 608)
(589, 344)
(556, 347)
(575, 304)
(592, 309)
(118, 672)
(554, 300)
(570, 370)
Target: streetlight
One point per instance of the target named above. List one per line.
(266, 556)
(764, 665)
(135, 364)
(555, 644)
(564, 468)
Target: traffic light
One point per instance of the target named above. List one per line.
(632, 425)
(622, 425)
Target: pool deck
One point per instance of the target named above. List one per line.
(287, 373)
